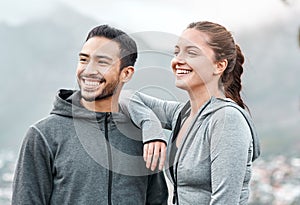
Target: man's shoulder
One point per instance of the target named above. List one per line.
(52, 124)
(51, 119)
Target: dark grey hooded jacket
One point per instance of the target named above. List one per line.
(75, 156)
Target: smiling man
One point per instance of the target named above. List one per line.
(87, 151)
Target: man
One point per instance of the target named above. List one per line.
(87, 151)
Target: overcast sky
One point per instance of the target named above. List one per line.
(158, 15)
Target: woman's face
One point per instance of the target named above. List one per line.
(193, 63)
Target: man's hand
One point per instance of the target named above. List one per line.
(152, 152)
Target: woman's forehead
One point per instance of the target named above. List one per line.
(193, 37)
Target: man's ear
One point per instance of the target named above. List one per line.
(126, 74)
(220, 66)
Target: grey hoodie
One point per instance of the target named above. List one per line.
(213, 162)
(75, 156)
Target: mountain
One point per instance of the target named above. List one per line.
(39, 57)
(272, 85)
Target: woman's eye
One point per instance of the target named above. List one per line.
(192, 53)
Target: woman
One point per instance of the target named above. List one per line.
(213, 140)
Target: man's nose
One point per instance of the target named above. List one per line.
(91, 68)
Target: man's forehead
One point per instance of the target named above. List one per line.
(101, 45)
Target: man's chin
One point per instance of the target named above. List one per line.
(89, 97)
(93, 98)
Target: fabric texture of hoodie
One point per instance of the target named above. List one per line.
(213, 163)
(76, 156)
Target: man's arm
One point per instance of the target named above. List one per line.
(33, 174)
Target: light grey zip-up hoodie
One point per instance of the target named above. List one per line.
(212, 165)
(75, 156)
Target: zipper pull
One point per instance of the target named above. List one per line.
(174, 195)
(174, 200)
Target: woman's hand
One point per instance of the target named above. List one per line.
(155, 154)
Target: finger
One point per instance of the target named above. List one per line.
(155, 156)
(163, 152)
(149, 155)
(145, 154)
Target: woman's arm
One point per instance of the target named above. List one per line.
(149, 113)
(230, 142)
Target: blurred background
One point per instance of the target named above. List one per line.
(40, 42)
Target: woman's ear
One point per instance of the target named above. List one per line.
(220, 66)
(126, 74)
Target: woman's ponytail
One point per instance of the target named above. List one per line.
(231, 79)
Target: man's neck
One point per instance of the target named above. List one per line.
(109, 104)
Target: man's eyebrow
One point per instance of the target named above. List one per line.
(98, 56)
(83, 54)
(105, 57)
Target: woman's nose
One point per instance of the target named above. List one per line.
(177, 60)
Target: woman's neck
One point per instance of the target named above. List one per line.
(200, 97)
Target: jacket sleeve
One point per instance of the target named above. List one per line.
(157, 192)
(150, 114)
(230, 151)
(33, 176)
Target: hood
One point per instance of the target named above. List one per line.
(215, 104)
(67, 104)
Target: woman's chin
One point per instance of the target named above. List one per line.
(181, 85)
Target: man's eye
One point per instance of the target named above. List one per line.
(176, 53)
(103, 63)
(83, 60)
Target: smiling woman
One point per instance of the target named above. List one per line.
(214, 140)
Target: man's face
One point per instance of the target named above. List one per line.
(98, 69)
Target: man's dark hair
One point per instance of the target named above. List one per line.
(128, 48)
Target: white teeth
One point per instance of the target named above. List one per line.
(179, 71)
(91, 83)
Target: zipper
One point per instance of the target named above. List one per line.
(173, 169)
(181, 115)
(109, 156)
